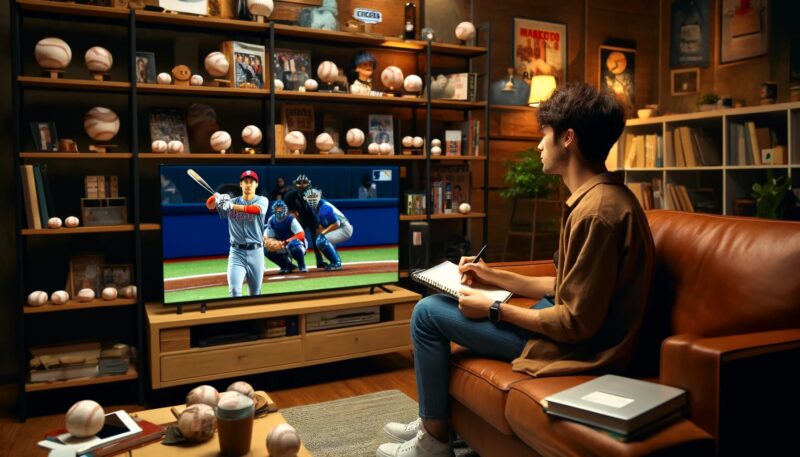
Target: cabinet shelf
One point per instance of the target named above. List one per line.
(472, 215)
(72, 9)
(457, 104)
(406, 217)
(171, 89)
(76, 84)
(188, 156)
(72, 305)
(39, 386)
(76, 155)
(78, 230)
(202, 22)
(347, 157)
(448, 158)
(290, 95)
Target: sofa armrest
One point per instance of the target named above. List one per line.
(698, 364)
(528, 268)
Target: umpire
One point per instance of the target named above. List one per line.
(303, 213)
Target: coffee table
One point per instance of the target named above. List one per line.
(258, 448)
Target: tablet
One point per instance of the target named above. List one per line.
(118, 425)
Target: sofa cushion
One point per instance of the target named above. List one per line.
(549, 435)
(482, 386)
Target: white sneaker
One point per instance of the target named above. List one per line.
(400, 433)
(422, 445)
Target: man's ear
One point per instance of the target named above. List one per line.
(568, 137)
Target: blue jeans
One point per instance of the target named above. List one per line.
(436, 322)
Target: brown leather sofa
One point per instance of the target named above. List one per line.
(723, 322)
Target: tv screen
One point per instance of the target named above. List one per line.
(276, 229)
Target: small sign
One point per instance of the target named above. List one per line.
(367, 16)
(381, 175)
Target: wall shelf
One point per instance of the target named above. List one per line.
(39, 386)
(73, 9)
(172, 89)
(78, 230)
(73, 305)
(76, 84)
(191, 156)
(76, 155)
(201, 22)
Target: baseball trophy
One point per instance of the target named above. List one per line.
(217, 66)
(392, 78)
(327, 72)
(101, 124)
(260, 9)
(295, 142)
(413, 85)
(53, 55)
(355, 139)
(324, 143)
(99, 62)
(181, 75)
(221, 141)
(465, 31)
(251, 135)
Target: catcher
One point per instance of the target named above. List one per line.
(284, 239)
(334, 228)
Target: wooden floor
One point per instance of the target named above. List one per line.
(288, 388)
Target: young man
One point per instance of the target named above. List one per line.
(283, 227)
(245, 216)
(303, 213)
(334, 228)
(603, 274)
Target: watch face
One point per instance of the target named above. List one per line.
(494, 312)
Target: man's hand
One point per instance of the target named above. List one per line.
(226, 205)
(475, 271)
(474, 305)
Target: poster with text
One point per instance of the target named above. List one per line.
(540, 48)
(744, 30)
(690, 37)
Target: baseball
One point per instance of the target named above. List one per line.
(175, 147)
(101, 124)
(164, 78)
(436, 142)
(278, 84)
(159, 146)
(465, 31)
(204, 394)
(407, 141)
(220, 140)
(412, 83)
(252, 135)
(197, 422)
(385, 148)
(260, 7)
(109, 293)
(85, 418)
(52, 53)
(324, 142)
(37, 298)
(283, 441)
(54, 222)
(295, 140)
(374, 148)
(327, 71)
(216, 65)
(392, 77)
(436, 150)
(196, 80)
(85, 295)
(464, 208)
(311, 85)
(418, 141)
(129, 291)
(71, 221)
(243, 388)
(59, 297)
(98, 59)
(355, 137)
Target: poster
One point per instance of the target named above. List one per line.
(690, 35)
(618, 74)
(744, 30)
(540, 48)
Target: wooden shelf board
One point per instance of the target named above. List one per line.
(150, 227)
(716, 114)
(406, 217)
(446, 158)
(81, 84)
(205, 22)
(472, 215)
(456, 104)
(457, 49)
(291, 95)
(757, 167)
(39, 386)
(348, 37)
(79, 230)
(172, 89)
(76, 155)
(719, 167)
(72, 305)
(346, 157)
(513, 107)
(160, 156)
(44, 6)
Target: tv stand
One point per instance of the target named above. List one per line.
(175, 361)
(383, 288)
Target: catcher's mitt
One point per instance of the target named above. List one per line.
(272, 244)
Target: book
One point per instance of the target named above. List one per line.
(617, 404)
(44, 214)
(150, 432)
(446, 279)
(27, 197)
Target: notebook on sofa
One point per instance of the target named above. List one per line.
(446, 279)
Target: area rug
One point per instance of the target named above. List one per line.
(352, 427)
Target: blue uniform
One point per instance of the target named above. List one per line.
(327, 214)
(245, 259)
(283, 230)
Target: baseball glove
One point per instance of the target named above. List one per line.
(272, 244)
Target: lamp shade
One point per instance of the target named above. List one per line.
(541, 88)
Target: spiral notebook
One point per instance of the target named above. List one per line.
(446, 279)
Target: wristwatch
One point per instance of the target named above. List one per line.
(494, 311)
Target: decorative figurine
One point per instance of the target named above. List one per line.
(221, 141)
(53, 55)
(181, 75)
(413, 85)
(295, 141)
(99, 62)
(217, 66)
(327, 73)
(364, 63)
(324, 143)
(320, 17)
(465, 31)
(251, 135)
(101, 124)
(392, 78)
(355, 139)
(260, 9)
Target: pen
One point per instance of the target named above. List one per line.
(476, 259)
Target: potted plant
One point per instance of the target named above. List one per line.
(770, 196)
(707, 102)
(526, 179)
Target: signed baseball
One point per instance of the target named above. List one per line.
(252, 135)
(418, 142)
(243, 388)
(311, 84)
(159, 146)
(37, 298)
(101, 124)
(392, 77)
(98, 59)
(54, 222)
(175, 147)
(355, 137)
(385, 148)
(464, 208)
(407, 141)
(436, 150)
(412, 83)
(52, 53)
(128, 291)
(283, 441)
(327, 71)
(216, 64)
(203, 394)
(260, 7)
(436, 142)
(196, 80)
(324, 142)
(374, 148)
(71, 221)
(109, 293)
(59, 297)
(164, 78)
(85, 418)
(85, 295)
(295, 140)
(465, 31)
(220, 140)
(197, 422)
(278, 84)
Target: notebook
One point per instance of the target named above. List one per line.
(446, 279)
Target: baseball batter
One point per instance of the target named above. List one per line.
(245, 216)
(334, 228)
(283, 227)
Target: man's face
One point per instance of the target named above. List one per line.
(554, 154)
(248, 185)
(365, 70)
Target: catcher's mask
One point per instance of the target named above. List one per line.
(312, 197)
(280, 210)
(302, 182)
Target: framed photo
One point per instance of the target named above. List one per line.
(300, 117)
(145, 67)
(44, 136)
(198, 7)
(690, 35)
(618, 74)
(745, 29)
(381, 128)
(85, 272)
(247, 64)
(459, 179)
(684, 82)
(117, 276)
(292, 67)
(540, 48)
(415, 203)
(169, 124)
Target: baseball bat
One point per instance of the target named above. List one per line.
(199, 180)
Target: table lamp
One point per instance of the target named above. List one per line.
(541, 88)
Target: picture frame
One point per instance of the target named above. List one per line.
(684, 81)
(169, 124)
(247, 64)
(117, 275)
(292, 67)
(415, 203)
(45, 137)
(381, 128)
(298, 116)
(690, 34)
(744, 30)
(85, 272)
(539, 48)
(197, 7)
(145, 67)
(617, 72)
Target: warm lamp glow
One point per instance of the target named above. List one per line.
(541, 88)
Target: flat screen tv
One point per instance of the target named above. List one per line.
(340, 231)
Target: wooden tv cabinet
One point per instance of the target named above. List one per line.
(173, 360)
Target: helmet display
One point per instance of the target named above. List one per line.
(302, 181)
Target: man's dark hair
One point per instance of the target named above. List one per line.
(596, 117)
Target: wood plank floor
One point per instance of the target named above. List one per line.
(288, 388)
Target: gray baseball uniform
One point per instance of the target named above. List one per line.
(246, 257)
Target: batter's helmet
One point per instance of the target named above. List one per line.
(313, 196)
(279, 209)
(303, 180)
